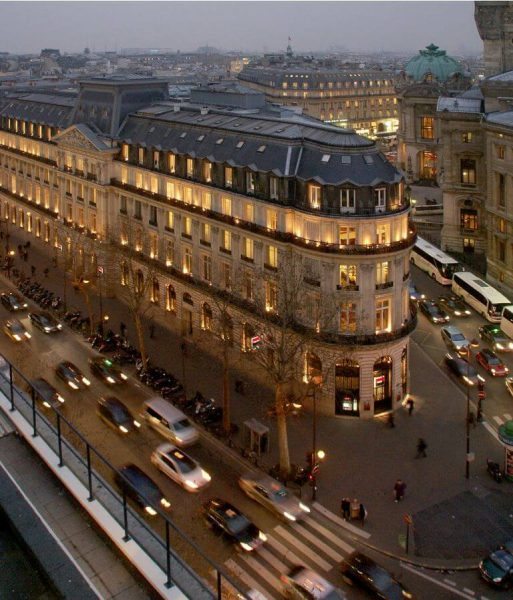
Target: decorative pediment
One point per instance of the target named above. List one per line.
(81, 137)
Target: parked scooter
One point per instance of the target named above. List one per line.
(494, 469)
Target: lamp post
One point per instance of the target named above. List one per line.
(317, 455)
(99, 274)
(472, 344)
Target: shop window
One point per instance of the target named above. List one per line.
(468, 219)
(206, 317)
(347, 387)
(468, 171)
(382, 384)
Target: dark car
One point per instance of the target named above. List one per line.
(497, 339)
(492, 363)
(117, 415)
(140, 488)
(415, 295)
(433, 311)
(12, 301)
(106, 370)
(46, 393)
(235, 525)
(363, 570)
(15, 330)
(497, 567)
(455, 306)
(44, 321)
(463, 370)
(72, 375)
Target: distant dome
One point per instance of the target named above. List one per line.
(433, 63)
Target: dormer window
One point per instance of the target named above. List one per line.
(380, 199)
(207, 172)
(190, 168)
(141, 156)
(125, 152)
(250, 182)
(273, 188)
(156, 159)
(347, 200)
(171, 163)
(228, 177)
(314, 196)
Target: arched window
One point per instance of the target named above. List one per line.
(155, 291)
(47, 231)
(206, 317)
(187, 298)
(347, 387)
(170, 298)
(382, 384)
(313, 369)
(225, 324)
(139, 282)
(124, 273)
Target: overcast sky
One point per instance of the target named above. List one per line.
(245, 26)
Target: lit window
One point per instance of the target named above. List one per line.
(271, 296)
(466, 137)
(170, 189)
(468, 219)
(272, 219)
(207, 172)
(272, 256)
(125, 151)
(187, 261)
(347, 236)
(228, 177)
(141, 156)
(249, 213)
(382, 272)
(170, 220)
(468, 171)
(382, 315)
(314, 196)
(227, 206)
(187, 226)
(347, 199)
(171, 163)
(156, 159)
(206, 268)
(206, 232)
(190, 168)
(348, 275)
(170, 254)
(250, 182)
(380, 198)
(500, 151)
(348, 317)
(227, 240)
(247, 248)
(427, 128)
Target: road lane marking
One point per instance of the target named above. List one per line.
(435, 581)
(469, 591)
(317, 542)
(245, 577)
(286, 553)
(272, 560)
(498, 420)
(450, 582)
(329, 535)
(263, 572)
(332, 517)
(302, 548)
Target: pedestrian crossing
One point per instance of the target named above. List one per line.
(314, 542)
(500, 420)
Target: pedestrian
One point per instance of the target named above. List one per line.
(399, 490)
(362, 514)
(345, 507)
(46, 271)
(25, 256)
(391, 420)
(122, 329)
(355, 508)
(421, 448)
(33, 270)
(410, 404)
(152, 330)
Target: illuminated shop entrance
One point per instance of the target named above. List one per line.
(382, 384)
(347, 388)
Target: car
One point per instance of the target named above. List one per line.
(180, 467)
(492, 363)
(134, 482)
(433, 311)
(225, 518)
(273, 495)
(497, 567)
(12, 301)
(45, 322)
(497, 339)
(304, 584)
(46, 393)
(105, 369)
(463, 370)
(72, 375)
(454, 339)
(117, 415)
(415, 295)
(454, 305)
(14, 329)
(361, 569)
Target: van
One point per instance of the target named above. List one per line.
(170, 422)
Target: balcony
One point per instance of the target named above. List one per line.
(384, 286)
(350, 287)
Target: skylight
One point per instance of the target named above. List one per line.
(368, 159)
(240, 144)
(201, 138)
(346, 159)
(262, 149)
(325, 158)
(182, 135)
(220, 141)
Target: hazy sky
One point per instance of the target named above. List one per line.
(247, 26)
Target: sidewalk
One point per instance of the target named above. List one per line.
(455, 520)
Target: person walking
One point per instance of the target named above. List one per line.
(345, 507)
(421, 448)
(362, 514)
(391, 420)
(399, 490)
(410, 404)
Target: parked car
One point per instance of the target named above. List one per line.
(454, 339)
(12, 301)
(107, 371)
(454, 305)
(433, 311)
(72, 375)
(15, 330)
(273, 495)
(180, 467)
(463, 370)
(116, 414)
(304, 584)
(45, 322)
(415, 295)
(363, 571)
(140, 488)
(225, 518)
(492, 363)
(498, 340)
(45, 393)
(497, 567)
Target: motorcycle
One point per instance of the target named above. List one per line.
(494, 470)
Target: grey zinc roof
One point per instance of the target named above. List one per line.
(507, 76)
(501, 118)
(459, 104)
(52, 110)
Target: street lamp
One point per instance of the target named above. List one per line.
(473, 344)
(317, 455)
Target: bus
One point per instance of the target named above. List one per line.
(431, 259)
(507, 320)
(485, 299)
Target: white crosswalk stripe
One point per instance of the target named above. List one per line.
(508, 417)
(315, 542)
(498, 420)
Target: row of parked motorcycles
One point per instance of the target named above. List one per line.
(39, 294)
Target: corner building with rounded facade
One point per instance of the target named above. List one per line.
(218, 190)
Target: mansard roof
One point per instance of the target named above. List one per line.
(48, 109)
(504, 119)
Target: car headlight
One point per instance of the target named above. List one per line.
(457, 313)
(123, 376)
(262, 536)
(506, 370)
(499, 346)
(510, 345)
(73, 385)
(467, 312)
(165, 503)
(150, 510)
(111, 379)
(123, 429)
(17, 337)
(191, 484)
(304, 507)
(482, 379)
(59, 326)
(288, 516)
(47, 404)
(497, 579)
(246, 547)
(25, 305)
(27, 335)
(137, 424)
(406, 594)
(205, 475)
(48, 329)
(60, 398)
(86, 381)
(467, 380)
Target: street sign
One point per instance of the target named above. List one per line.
(408, 519)
(256, 342)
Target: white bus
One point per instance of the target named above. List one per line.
(485, 299)
(507, 320)
(431, 259)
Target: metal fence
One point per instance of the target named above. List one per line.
(171, 551)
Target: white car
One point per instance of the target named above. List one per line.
(454, 339)
(180, 467)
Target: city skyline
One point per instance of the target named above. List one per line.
(186, 26)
